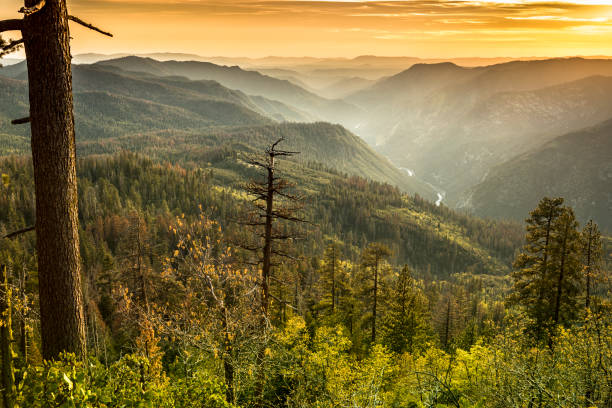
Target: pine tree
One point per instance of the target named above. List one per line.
(46, 37)
(332, 275)
(547, 271)
(405, 325)
(531, 267)
(567, 279)
(373, 264)
(591, 259)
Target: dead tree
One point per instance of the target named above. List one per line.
(274, 204)
(46, 38)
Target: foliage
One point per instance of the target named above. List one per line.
(129, 382)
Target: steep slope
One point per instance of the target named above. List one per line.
(451, 124)
(176, 118)
(178, 91)
(332, 146)
(118, 81)
(345, 86)
(14, 71)
(576, 166)
(433, 240)
(250, 82)
(13, 104)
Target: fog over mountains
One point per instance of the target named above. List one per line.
(487, 136)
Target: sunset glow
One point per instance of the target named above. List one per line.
(423, 28)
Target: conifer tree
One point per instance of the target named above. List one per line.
(405, 324)
(531, 267)
(46, 38)
(547, 271)
(373, 264)
(566, 271)
(331, 271)
(591, 259)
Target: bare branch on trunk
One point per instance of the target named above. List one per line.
(90, 26)
(20, 121)
(11, 25)
(17, 233)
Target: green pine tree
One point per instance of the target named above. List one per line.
(332, 276)
(405, 327)
(591, 259)
(547, 271)
(374, 268)
(566, 274)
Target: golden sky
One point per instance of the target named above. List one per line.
(422, 28)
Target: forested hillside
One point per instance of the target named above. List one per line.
(182, 234)
(583, 158)
(441, 119)
(251, 82)
(177, 118)
(150, 230)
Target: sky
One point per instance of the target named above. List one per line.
(420, 28)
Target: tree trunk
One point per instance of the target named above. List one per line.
(375, 300)
(267, 250)
(6, 342)
(561, 276)
(447, 323)
(23, 332)
(228, 365)
(47, 49)
(588, 268)
(265, 283)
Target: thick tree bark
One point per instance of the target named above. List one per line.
(47, 49)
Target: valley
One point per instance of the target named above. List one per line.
(437, 128)
(417, 216)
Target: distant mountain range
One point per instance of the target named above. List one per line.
(576, 166)
(479, 137)
(167, 116)
(451, 125)
(250, 82)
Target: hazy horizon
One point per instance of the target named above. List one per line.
(21, 55)
(422, 28)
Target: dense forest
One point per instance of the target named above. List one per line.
(212, 255)
(377, 299)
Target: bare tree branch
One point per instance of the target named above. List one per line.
(20, 121)
(17, 233)
(283, 301)
(11, 25)
(12, 44)
(90, 26)
(28, 11)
